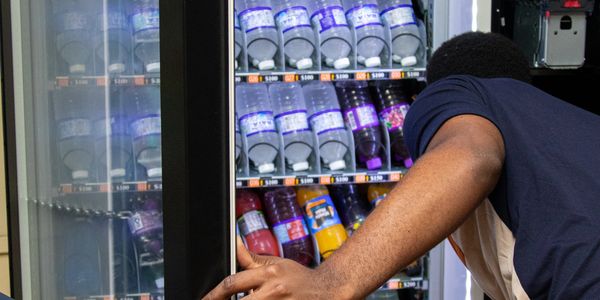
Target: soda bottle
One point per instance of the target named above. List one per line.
(322, 218)
(252, 225)
(239, 39)
(292, 19)
(146, 33)
(74, 27)
(145, 126)
(393, 104)
(352, 209)
(326, 120)
(285, 216)
(361, 117)
(290, 116)
(327, 16)
(406, 38)
(378, 191)
(363, 15)
(114, 23)
(257, 123)
(256, 17)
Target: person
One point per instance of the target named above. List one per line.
(509, 172)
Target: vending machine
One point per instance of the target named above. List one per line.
(143, 136)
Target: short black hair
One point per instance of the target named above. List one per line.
(484, 55)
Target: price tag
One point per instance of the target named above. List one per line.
(253, 183)
(238, 79)
(238, 184)
(101, 81)
(307, 77)
(340, 179)
(289, 77)
(304, 180)
(377, 75)
(289, 181)
(139, 80)
(268, 182)
(413, 74)
(360, 178)
(80, 81)
(327, 77)
(342, 76)
(62, 81)
(395, 176)
(360, 76)
(395, 75)
(253, 79)
(271, 78)
(375, 178)
(120, 81)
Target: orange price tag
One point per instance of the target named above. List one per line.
(253, 183)
(289, 77)
(138, 80)
(289, 181)
(395, 75)
(326, 77)
(63, 82)
(253, 79)
(104, 187)
(395, 176)
(66, 188)
(360, 76)
(145, 297)
(101, 81)
(325, 180)
(142, 186)
(360, 178)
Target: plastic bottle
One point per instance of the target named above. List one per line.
(113, 131)
(322, 218)
(289, 108)
(286, 218)
(239, 39)
(384, 295)
(238, 138)
(252, 225)
(257, 123)
(327, 16)
(145, 126)
(74, 114)
(146, 226)
(256, 17)
(378, 191)
(393, 104)
(74, 27)
(352, 209)
(293, 21)
(363, 15)
(146, 33)
(361, 117)
(326, 120)
(113, 32)
(406, 38)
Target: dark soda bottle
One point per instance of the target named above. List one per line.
(252, 225)
(352, 209)
(286, 218)
(393, 104)
(361, 117)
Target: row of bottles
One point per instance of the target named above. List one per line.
(102, 136)
(373, 33)
(301, 119)
(98, 37)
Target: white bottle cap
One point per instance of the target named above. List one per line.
(329, 62)
(266, 168)
(154, 172)
(372, 62)
(303, 64)
(409, 61)
(160, 283)
(116, 68)
(120, 172)
(266, 64)
(337, 165)
(361, 59)
(341, 63)
(292, 62)
(153, 67)
(301, 166)
(396, 58)
(80, 174)
(78, 68)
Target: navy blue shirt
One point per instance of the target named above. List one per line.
(549, 190)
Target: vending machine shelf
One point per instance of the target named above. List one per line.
(144, 296)
(298, 180)
(331, 75)
(116, 80)
(104, 187)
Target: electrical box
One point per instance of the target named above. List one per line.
(552, 32)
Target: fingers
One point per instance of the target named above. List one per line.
(237, 283)
(249, 260)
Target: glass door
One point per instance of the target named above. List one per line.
(87, 118)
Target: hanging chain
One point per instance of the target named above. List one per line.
(80, 211)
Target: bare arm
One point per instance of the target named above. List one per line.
(459, 169)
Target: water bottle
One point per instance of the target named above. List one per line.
(146, 33)
(326, 120)
(112, 129)
(293, 21)
(256, 17)
(361, 117)
(113, 36)
(290, 116)
(329, 20)
(74, 114)
(257, 123)
(363, 15)
(145, 126)
(353, 210)
(146, 227)
(239, 39)
(393, 104)
(286, 218)
(74, 27)
(238, 138)
(406, 38)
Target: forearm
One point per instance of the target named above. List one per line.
(429, 203)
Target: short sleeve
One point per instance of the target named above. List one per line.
(444, 99)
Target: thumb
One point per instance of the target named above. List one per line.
(249, 260)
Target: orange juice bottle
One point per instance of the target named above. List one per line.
(378, 192)
(322, 218)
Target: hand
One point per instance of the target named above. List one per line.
(269, 277)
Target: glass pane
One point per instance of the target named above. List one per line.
(89, 125)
